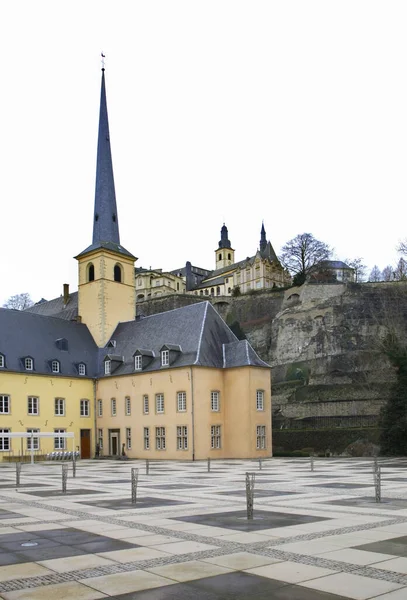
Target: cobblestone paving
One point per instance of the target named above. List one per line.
(337, 529)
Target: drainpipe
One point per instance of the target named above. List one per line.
(193, 415)
(95, 413)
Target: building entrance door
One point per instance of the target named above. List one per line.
(114, 442)
(85, 443)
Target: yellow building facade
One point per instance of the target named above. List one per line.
(175, 385)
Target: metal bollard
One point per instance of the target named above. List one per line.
(375, 464)
(250, 494)
(134, 479)
(147, 466)
(73, 466)
(260, 465)
(64, 477)
(378, 485)
(18, 472)
(209, 465)
(312, 463)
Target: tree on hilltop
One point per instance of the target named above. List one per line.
(19, 301)
(375, 274)
(359, 268)
(388, 273)
(302, 254)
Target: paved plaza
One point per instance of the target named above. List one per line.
(315, 535)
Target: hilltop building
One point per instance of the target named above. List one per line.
(175, 385)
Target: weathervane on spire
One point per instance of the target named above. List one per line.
(103, 61)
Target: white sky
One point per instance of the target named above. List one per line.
(294, 112)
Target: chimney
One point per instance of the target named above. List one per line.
(66, 293)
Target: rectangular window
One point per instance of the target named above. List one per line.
(181, 401)
(146, 406)
(35, 440)
(1, 361)
(215, 404)
(100, 439)
(165, 358)
(182, 437)
(159, 403)
(146, 438)
(55, 366)
(4, 404)
(82, 369)
(127, 406)
(128, 438)
(59, 404)
(4, 442)
(100, 408)
(260, 400)
(113, 406)
(28, 363)
(261, 437)
(33, 405)
(138, 362)
(59, 442)
(160, 438)
(107, 367)
(85, 412)
(215, 437)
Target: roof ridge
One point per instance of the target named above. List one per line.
(201, 333)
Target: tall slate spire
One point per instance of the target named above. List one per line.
(224, 238)
(105, 220)
(263, 241)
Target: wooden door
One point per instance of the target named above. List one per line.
(85, 443)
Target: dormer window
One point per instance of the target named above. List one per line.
(108, 367)
(165, 358)
(28, 364)
(55, 366)
(62, 344)
(2, 361)
(82, 369)
(138, 362)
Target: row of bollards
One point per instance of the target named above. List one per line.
(134, 481)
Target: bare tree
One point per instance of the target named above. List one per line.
(400, 272)
(358, 266)
(19, 301)
(388, 273)
(375, 274)
(402, 247)
(302, 254)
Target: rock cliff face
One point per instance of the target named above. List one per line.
(323, 342)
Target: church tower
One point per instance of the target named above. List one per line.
(224, 255)
(106, 286)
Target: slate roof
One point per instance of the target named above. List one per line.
(24, 334)
(198, 329)
(334, 264)
(116, 248)
(57, 308)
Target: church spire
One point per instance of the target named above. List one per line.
(224, 238)
(105, 221)
(263, 241)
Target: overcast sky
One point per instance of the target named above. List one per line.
(291, 112)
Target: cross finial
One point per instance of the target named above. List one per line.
(103, 61)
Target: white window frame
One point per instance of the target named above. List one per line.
(182, 437)
(28, 364)
(100, 408)
(5, 404)
(35, 440)
(146, 435)
(165, 358)
(260, 400)
(59, 403)
(108, 367)
(84, 408)
(127, 406)
(100, 438)
(5, 445)
(128, 438)
(138, 362)
(55, 366)
(33, 406)
(146, 404)
(59, 443)
(181, 401)
(113, 407)
(82, 369)
(216, 437)
(160, 438)
(159, 404)
(261, 433)
(2, 361)
(215, 401)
